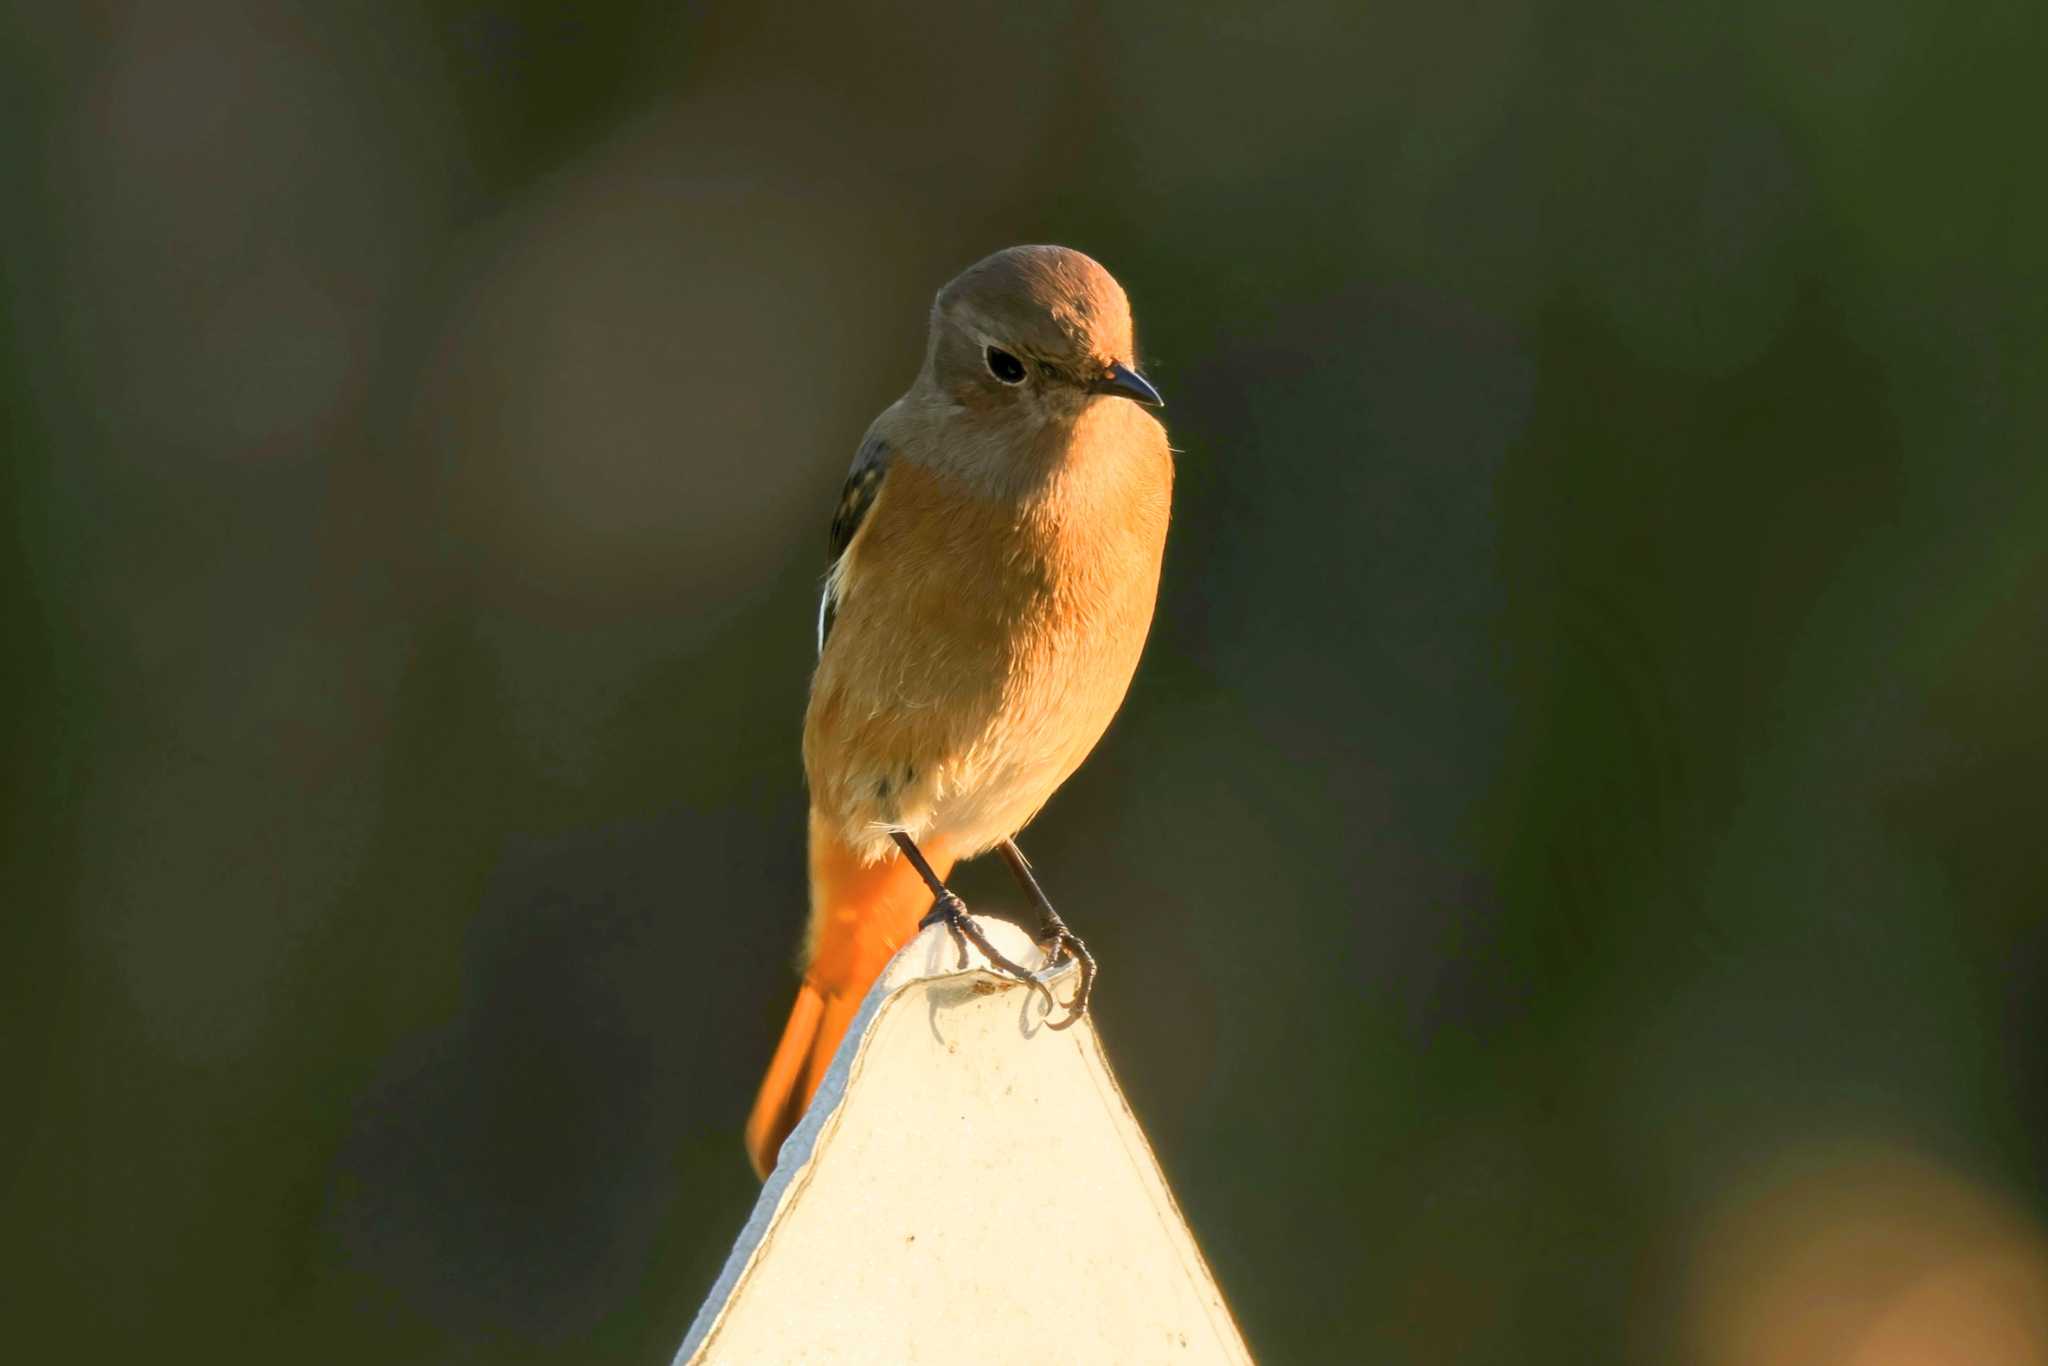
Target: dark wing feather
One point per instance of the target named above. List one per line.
(863, 482)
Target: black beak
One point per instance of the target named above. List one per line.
(1127, 383)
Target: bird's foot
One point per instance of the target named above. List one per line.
(949, 910)
(1060, 942)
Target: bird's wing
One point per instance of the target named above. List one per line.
(863, 482)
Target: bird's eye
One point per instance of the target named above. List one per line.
(1005, 366)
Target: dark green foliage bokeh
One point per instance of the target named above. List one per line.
(1591, 745)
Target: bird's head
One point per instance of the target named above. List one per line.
(1035, 332)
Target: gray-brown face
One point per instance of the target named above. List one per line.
(1038, 331)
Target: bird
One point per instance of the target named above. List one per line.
(994, 563)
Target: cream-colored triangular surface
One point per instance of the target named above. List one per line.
(968, 1187)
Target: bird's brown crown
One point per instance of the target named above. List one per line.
(1051, 303)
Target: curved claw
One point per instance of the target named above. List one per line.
(1063, 941)
(950, 911)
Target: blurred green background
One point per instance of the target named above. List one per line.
(1569, 873)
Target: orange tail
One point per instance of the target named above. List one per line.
(860, 916)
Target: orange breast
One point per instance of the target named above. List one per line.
(982, 644)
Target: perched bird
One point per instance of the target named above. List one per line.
(995, 557)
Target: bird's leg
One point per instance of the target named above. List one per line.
(949, 910)
(1054, 930)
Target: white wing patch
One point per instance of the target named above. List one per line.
(863, 482)
(828, 598)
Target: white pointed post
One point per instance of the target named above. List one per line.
(968, 1186)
